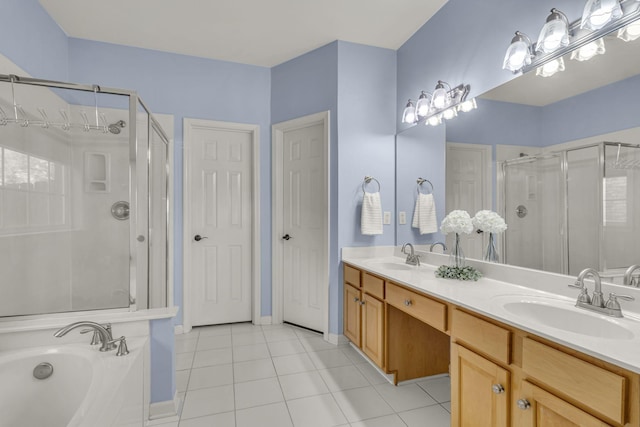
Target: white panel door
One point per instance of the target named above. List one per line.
(305, 209)
(468, 188)
(220, 225)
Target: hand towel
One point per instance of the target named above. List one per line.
(371, 221)
(424, 214)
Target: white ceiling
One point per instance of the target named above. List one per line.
(257, 32)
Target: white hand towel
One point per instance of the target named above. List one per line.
(424, 214)
(371, 221)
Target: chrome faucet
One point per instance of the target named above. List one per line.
(629, 280)
(596, 303)
(412, 258)
(107, 341)
(444, 247)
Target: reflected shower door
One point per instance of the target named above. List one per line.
(534, 211)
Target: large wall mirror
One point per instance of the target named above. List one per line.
(558, 157)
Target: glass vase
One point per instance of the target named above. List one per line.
(456, 256)
(492, 254)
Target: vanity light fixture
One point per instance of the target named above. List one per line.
(444, 103)
(598, 13)
(518, 54)
(554, 34)
(589, 50)
(441, 97)
(423, 105)
(468, 105)
(630, 33)
(550, 68)
(409, 113)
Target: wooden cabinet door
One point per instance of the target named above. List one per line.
(351, 322)
(373, 329)
(479, 391)
(539, 408)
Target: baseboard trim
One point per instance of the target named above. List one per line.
(178, 329)
(389, 377)
(164, 412)
(338, 339)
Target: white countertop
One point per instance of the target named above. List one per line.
(504, 283)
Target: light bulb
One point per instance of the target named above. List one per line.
(449, 113)
(630, 32)
(422, 106)
(554, 33)
(434, 120)
(589, 50)
(409, 113)
(468, 105)
(550, 68)
(598, 13)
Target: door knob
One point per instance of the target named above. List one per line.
(286, 237)
(198, 237)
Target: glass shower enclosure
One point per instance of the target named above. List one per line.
(573, 209)
(84, 207)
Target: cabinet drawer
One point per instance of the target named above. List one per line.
(423, 308)
(486, 337)
(598, 389)
(352, 275)
(373, 285)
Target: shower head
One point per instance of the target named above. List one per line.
(116, 127)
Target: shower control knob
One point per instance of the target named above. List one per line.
(198, 237)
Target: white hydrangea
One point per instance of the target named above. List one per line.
(489, 222)
(457, 221)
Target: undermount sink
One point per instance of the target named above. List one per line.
(563, 315)
(390, 265)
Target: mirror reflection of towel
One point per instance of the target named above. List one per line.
(371, 220)
(424, 214)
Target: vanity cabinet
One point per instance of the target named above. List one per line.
(501, 376)
(480, 390)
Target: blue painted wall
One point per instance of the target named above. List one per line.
(32, 40)
(366, 146)
(163, 384)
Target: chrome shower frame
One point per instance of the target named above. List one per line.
(139, 243)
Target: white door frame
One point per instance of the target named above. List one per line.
(277, 213)
(189, 125)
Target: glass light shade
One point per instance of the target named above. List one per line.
(630, 32)
(517, 57)
(434, 120)
(450, 113)
(440, 98)
(422, 106)
(468, 105)
(589, 50)
(598, 13)
(550, 68)
(409, 113)
(554, 33)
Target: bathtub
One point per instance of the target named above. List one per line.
(87, 388)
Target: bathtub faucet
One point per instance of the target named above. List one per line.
(105, 335)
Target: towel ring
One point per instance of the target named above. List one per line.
(368, 179)
(421, 181)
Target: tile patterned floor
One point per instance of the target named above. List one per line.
(243, 375)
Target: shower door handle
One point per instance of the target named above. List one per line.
(198, 237)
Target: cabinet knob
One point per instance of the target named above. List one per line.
(497, 388)
(523, 404)
(361, 302)
(407, 302)
(356, 299)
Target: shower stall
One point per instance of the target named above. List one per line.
(573, 209)
(84, 207)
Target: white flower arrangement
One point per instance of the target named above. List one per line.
(457, 221)
(489, 222)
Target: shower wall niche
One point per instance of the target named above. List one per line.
(83, 199)
(573, 209)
